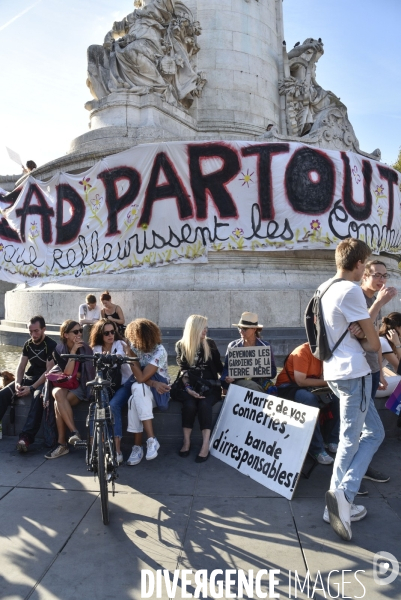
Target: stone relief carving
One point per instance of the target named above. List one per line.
(310, 110)
(150, 50)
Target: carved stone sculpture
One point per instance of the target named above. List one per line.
(309, 108)
(150, 50)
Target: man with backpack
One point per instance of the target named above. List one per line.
(348, 328)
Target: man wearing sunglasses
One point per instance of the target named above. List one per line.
(37, 351)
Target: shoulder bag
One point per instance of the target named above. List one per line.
(62, 380)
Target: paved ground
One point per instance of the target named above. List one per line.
(175, 514)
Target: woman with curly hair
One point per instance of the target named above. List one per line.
(200, 365)
(150, 379)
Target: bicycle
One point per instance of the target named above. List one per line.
(100, 449)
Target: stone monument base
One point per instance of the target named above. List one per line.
(276, 285)
(122, 120)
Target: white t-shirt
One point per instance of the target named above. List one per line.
(343, 304)
(386, 349)
(118, 348)
(156, 357)
(93, 315)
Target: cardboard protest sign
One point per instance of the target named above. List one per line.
(253, 361)
(264, 437)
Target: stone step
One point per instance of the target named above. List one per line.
(167, 424)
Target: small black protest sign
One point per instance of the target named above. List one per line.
(249, 362)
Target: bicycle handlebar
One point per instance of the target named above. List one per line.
(102, 359)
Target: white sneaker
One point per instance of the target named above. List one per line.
(358, 512)
(152, 448)
(75, 437)
(324, 459)
(333, 448)
(119, 457)
(60, 450)
(136, 456)
(339, 510)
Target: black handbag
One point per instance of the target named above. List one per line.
(176, 387)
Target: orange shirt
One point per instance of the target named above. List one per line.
(302, 360)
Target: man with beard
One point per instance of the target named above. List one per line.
(38, 351)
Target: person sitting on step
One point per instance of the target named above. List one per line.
(38, 352)
(89, 314)
(64, 399)
(249, 330)
(301, 373)
(150, 371)
(200, 365)
(113, 312)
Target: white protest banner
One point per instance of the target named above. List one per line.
(14, 156)
(249, 362)
(166, 203)
(264, 437)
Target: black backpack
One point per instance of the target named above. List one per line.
(315, 328)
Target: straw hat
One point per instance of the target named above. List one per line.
(248, 320)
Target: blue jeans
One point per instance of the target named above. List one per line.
(117, 402)
(355, 451)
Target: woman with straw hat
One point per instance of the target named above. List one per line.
(249, 329)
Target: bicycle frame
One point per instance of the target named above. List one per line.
(100, 449)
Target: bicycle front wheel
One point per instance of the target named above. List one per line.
(102, 474)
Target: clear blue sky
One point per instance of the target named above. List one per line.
(43, 68)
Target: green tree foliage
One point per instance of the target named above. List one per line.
(397, 164)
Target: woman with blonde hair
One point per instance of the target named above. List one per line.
(200, 365)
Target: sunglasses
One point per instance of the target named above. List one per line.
(109, 332)
(76, 331)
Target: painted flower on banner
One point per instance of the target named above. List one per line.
(379, 192)
(96, 202)
(85, 182)
(33, 232)
(132, 217)
(238, 232)
(247, 178)
(315, 225)
(356, 175)
(1, 247)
